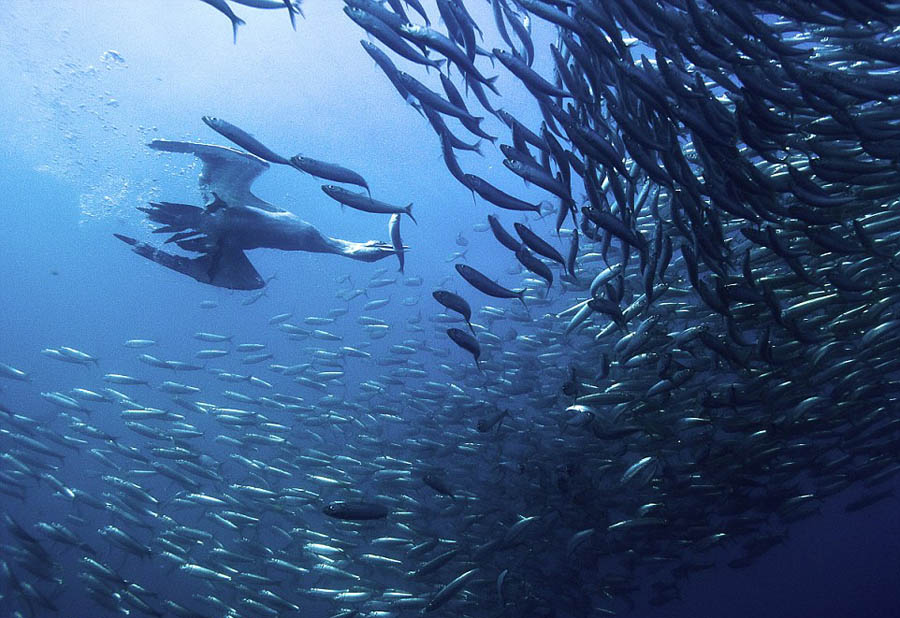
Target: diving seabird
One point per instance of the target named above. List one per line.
(234, 221)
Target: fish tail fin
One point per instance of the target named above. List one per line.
(521, 296)
(238, 22)
(408, 211)
(500, 421)
(471, 328)
(489, 82)
(477, 148)
(291, 14)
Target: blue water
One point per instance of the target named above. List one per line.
(74, 121)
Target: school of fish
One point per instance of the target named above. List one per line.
(707, 349)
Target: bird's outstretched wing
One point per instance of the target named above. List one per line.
(227, 172)
(223, 267)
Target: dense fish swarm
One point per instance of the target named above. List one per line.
(721, 358)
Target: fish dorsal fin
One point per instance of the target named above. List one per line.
(227, 173)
